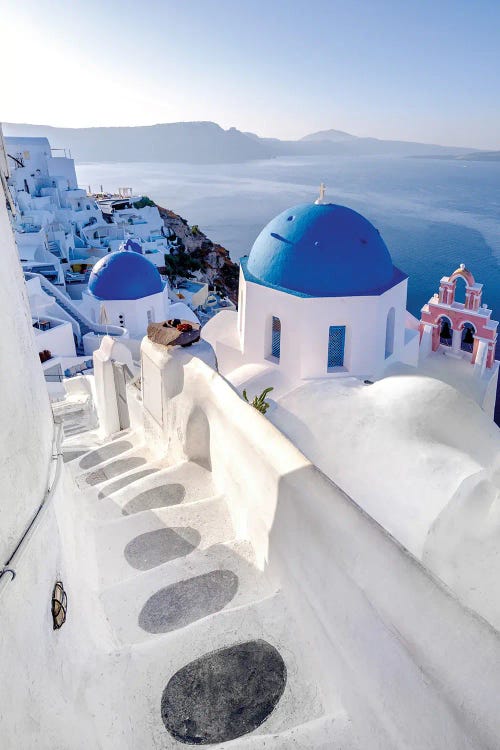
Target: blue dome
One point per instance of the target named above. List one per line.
(321, 250)
(133, 245)
(124, 275)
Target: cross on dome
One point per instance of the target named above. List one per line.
(319, 201)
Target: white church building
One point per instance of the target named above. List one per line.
(320, 298)
(125, 289)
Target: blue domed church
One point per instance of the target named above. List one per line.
(319, 297)
(126, 289)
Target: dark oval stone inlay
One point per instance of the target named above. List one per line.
(71, 455)
(123, 482)
(153, 548)
(224, 694)
(103, 454)
(156, 497)
(120, 466)
(181, 603)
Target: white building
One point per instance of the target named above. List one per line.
(51, 210)
(141, 225)
(125, 289)
(319, 297)
(58, 226)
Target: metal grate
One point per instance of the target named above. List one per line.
(336, 343)
(276, 337)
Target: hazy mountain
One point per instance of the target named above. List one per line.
(481, 156)
(195, 142)
(469, 156)
(208, 143)
(336, 136)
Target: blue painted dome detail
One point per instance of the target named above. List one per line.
(124, 275)
(321, 250)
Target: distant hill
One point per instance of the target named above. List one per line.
(208, 143)
(335, 136)
(468, 156)
(481, 156)
(192, 142)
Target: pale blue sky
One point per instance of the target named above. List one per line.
(425, 70)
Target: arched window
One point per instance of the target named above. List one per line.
(445, 331)
(460, 287)
(467, 342)
(389, 332)
(276, 337)
(336, 345)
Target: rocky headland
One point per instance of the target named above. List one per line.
(195, 256)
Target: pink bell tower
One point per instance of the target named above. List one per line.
(465, 327)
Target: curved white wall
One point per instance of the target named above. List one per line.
(26, 419)
(416, 668)
(41, 699)
(132, 313)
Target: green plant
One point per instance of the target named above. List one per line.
(195, 230)
(143, 202)
(259, 402)
(180, 264)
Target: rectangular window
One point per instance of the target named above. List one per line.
(276, 337)
(336, 344)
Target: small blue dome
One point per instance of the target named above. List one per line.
(124, 275)
(133, 245)
(321, 250)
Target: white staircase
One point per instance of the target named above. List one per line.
(175, 585)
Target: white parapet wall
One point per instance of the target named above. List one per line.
(41, 693)
(417, 668)
(26, 434)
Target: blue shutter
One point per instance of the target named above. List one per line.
(336, 343)
(276, 337)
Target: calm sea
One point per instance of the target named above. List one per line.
(432, 214)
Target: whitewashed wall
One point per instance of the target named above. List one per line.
(134, 311)
(58, 340)
(26, 434)
(417, 669)
(305, 323)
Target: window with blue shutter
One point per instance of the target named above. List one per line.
(336, 344)
(276, 337)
